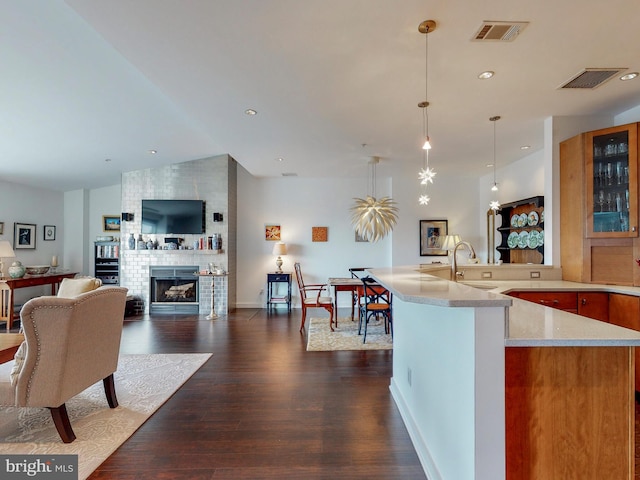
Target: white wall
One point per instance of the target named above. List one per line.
(22, 204)
(297, 204)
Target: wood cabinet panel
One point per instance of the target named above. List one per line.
(569, 413)
(561, 300)
(624, 311)
(594, 305)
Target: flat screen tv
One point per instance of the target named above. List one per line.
(173, 216)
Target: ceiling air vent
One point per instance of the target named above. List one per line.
(591, 78)
(499, 31)
(289, 174)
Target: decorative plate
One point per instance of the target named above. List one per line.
(541, 238)
(522, 220)
(542, 216)
(533, 218)
(514, 220)
(512, 240)
(533, 239)
(523, 239)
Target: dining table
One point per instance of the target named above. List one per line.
(347, 284)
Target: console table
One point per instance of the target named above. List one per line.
(272, 280)
(52, 279)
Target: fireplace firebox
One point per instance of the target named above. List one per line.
(174, 289)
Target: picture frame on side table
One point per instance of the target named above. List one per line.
(432, 233)
(24, 236)
(49, 232)
(111, 223)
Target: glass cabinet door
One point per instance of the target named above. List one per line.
(611, 176)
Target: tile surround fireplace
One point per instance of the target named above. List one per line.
(213, 180)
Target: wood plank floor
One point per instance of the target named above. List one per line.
(263, 407)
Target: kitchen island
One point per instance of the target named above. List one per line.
(494, 387)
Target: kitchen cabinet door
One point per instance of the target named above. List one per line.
(624, 311)
(567, 301)
(594, 305)
(611, 161)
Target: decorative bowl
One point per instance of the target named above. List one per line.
(37, 269)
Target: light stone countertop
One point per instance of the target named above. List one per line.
(529, 324)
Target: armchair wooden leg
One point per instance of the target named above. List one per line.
(304, 317)
(110, 391)
(331, 321)
(62, 423)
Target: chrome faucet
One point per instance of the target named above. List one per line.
(455, 274)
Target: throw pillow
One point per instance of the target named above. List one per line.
(72, 287)
(19, 357)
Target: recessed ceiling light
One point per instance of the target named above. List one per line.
(250, 112)
(486, 75)
(279, 159)
(525, 147)
(489, 165)
(629, 76)
(153, 152)
(107, 159)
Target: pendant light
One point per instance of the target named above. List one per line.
(426, 174)
(494, 204)
(372, 218)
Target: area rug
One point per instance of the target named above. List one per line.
(345, 337)
(143, 384)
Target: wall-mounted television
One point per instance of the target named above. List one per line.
(173, 216)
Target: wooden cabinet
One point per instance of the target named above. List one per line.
(567, 301)
(624, 311)
(107, 262)
(521, 231)
(594, 305)
(599, 206)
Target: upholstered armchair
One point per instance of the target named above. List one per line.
(70, 344)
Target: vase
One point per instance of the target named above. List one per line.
(16, 270)
(132, 242)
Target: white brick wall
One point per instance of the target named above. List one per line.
(212, 180)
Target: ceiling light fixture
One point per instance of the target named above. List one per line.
(629, 76)
(426, 174)
(486, 75)
(153, 152)
(494, 205)
(372, 218)
(525, 147)
(250, 112)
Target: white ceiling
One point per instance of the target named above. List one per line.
(88, 80)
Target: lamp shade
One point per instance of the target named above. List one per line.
(450, 242)
(6, 250)
(280, 249)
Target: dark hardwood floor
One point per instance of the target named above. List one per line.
(263, 407)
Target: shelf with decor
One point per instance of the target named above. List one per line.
(107, 262)
(521, 231)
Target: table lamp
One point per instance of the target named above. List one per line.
(449, 243)
(5, 252)
(279, 249)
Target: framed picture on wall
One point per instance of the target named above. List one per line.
(432, 233)
(49, 232)
(111, 223)
(24, 236)
(272, 233)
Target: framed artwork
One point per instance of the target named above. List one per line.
(24, 236)
(111, 223)
(272, 233)
(319, 234)
(1, 228)
(49, 232)
(432, 233)
(360, 238)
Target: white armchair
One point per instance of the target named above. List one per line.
(70, 344)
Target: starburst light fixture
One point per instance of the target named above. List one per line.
(494, 205)
(426, 174)
(372, 218)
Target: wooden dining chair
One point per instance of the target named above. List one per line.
(311, 297)
(5, 303)
(377, 302)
